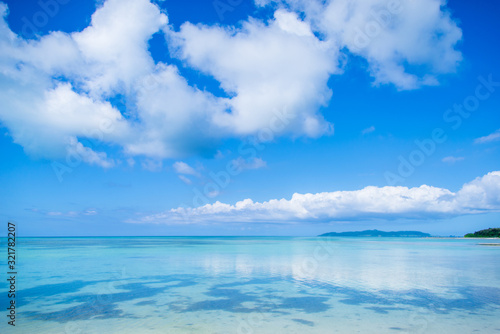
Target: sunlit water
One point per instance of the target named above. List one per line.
(254, 285)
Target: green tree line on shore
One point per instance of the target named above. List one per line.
(488, 233)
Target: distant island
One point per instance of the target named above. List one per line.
(377, 233)
(488, 233)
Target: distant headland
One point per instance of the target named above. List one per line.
(488, 233)
(377, 233)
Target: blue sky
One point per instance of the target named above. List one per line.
(242, 118)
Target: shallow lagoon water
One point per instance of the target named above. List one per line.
(255, 285)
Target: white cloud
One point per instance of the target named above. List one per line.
(254, 163)
(424, 202)
(87, 212)
(78, 151)
(181, 167)
(152, 165)
(480, 195)
(267, 68)
(452, 159)
(407, 43)
(213, 194)
(90, 212)
(368, 130)
(56, 91)
(54, 213)
(44, 113)
(495, 136)
(185, 179)
(115, 45)
(48, 124)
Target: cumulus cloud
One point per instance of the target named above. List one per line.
(424, 202)
(406, 43)
(115, 45)
(175, 118)
(54, 89)
(266, 67)
(495, 136)
(57, 91)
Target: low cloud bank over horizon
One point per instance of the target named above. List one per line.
(481, 195)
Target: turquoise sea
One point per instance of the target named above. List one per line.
(254, 285)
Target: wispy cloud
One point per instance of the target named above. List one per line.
(425, 202)
(90, 212)
(451, 159)
(56, 213)
(254, 163)
(185, 179)
(495, 136)
(181, 167)
(368, 130)
(152, 165)
(86, 212)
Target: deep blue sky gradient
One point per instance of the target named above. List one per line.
(347, 160)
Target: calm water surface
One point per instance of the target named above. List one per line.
(254, 285)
